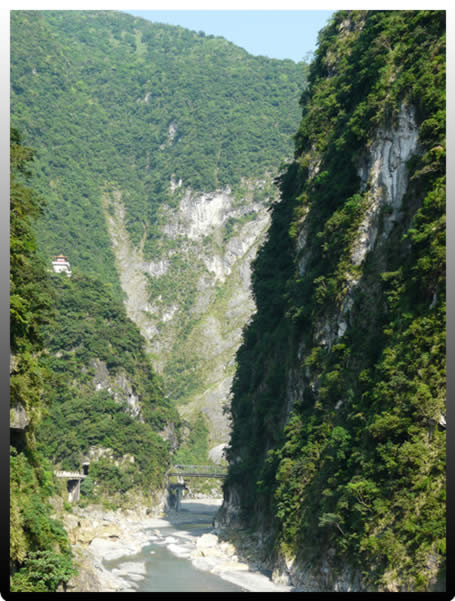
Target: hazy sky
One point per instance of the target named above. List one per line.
(273, 33)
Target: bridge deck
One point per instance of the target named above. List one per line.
(69, 475)
(198, 471)
(197, 475)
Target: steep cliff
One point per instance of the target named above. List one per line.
(193, 300)
(337, 455)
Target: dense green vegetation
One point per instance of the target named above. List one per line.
(344, 435)
(132, 115)
(112, 102)
(195, 448)
(80, 375)
(97, 361)
(40, 555)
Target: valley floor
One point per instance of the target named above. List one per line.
(116, 557)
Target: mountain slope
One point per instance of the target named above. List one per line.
(337, 455)
(40, 554)
(105, 403)
(156, 150)
(81, 389)
(112, 102)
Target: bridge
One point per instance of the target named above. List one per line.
(198, 471)
(192, 471)
(74, 480)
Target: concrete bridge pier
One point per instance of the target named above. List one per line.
(177, 490)
(74, 490)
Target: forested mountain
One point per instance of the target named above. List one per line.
(40, 553)
(115, 103)
(82, 390)
(337, 456)
(154, 151)
(156, 148)
(105, 403)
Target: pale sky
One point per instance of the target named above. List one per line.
(273, 33)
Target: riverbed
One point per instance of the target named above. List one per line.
(177, 553)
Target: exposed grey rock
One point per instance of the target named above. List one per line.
(216, 259)
(216, 454)
(384, 176)
(18, 417)
(118, 386)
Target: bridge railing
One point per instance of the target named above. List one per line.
(69, 475)
(214, 471)
(202, 468)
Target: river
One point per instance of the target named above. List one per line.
(181, 554)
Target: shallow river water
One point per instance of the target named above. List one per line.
(160, 570)
(157, 569)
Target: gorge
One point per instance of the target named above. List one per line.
(258, 278)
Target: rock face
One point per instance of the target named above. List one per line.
(385, 175)
(325, 577)
(18, 418)
(333, 386)
(192, 302)
(96, 535)
(118, 386)
(384, 179)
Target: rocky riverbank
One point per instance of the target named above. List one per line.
(100, 537)
(96, 535)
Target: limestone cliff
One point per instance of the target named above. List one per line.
(338, 410)
(192, 302)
